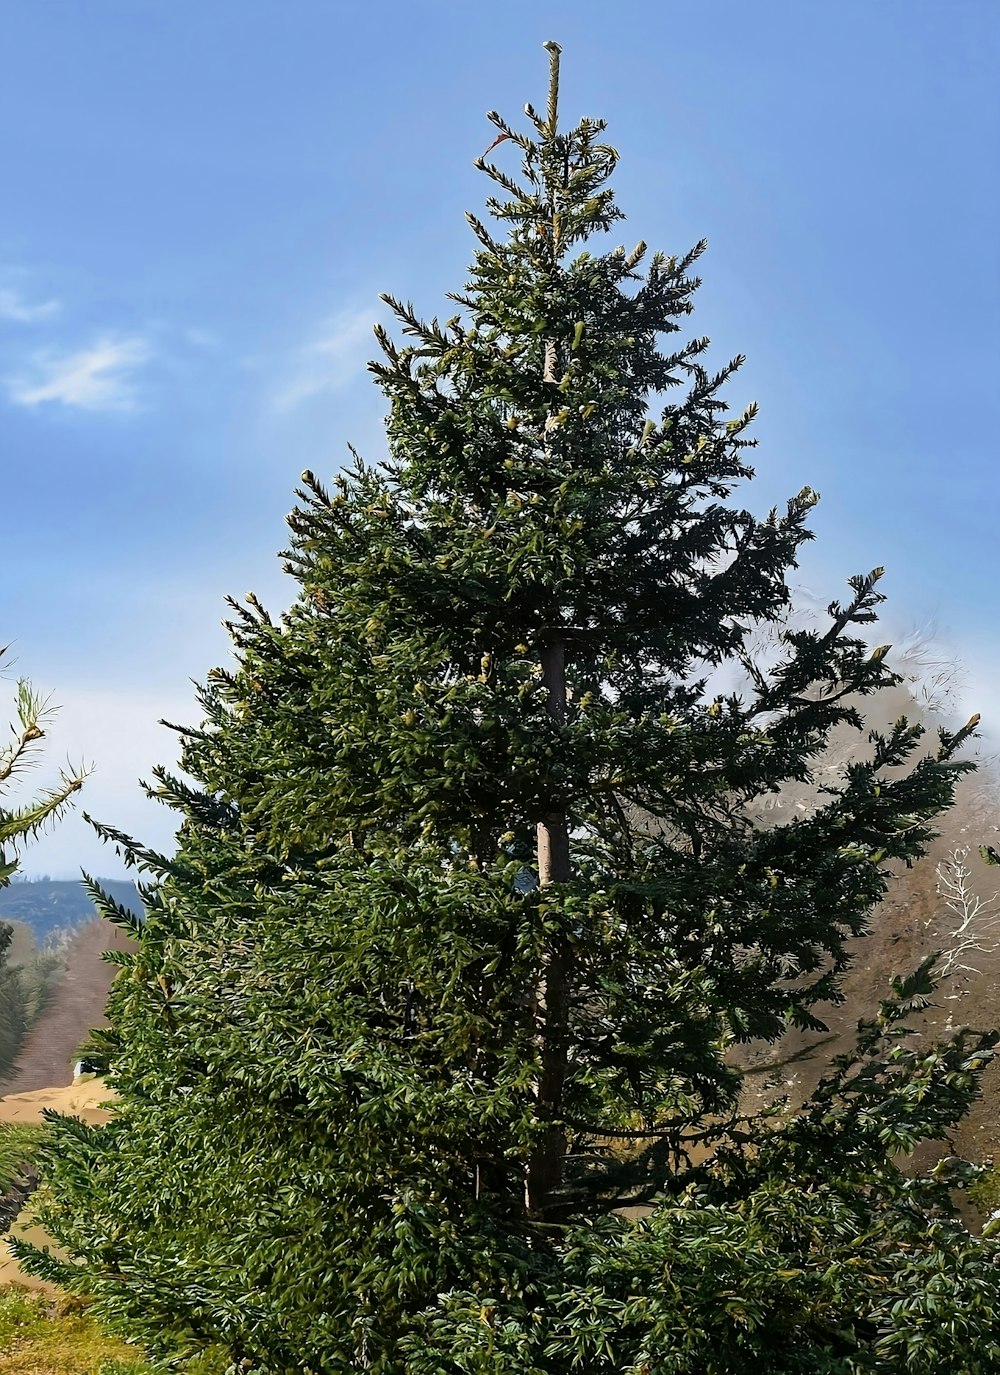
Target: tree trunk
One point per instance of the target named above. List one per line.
(545, 1166)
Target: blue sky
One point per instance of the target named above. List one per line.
(202, 203)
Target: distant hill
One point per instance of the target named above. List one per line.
(50, 905)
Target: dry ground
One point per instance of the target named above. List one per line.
(82, 1098)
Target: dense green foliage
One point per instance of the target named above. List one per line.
(468, 912)
(18, 1143)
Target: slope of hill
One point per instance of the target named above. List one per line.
(45, 1059)
(48, 906)
(53, 983)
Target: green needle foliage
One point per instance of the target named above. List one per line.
(20, 824)
(23, 992)
(468, 912)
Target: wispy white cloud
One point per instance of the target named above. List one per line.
(94, 379)
(330, 360)
(201, 338)
(14, 307)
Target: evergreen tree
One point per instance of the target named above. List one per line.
(23, 992)
(21, 824)
(468, 912)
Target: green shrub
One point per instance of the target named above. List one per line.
(19, 1142)
(22, 1314)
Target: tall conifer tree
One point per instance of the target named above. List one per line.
(20, 993)
(468, 911)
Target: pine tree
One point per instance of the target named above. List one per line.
(468, 912)
(24, 991)
(21, 824)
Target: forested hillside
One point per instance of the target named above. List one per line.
(50, 905)
(45, 975)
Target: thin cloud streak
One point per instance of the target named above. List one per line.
(94, 379)
(329, 361)
(14, 307)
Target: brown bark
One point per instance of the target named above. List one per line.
(545, 1166)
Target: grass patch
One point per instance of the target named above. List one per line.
(40, 1335)
(43, 1336)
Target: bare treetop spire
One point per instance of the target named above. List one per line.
(553, 50)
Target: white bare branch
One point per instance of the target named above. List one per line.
(971, 924)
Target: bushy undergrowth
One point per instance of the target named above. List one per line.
(18, 1142)
(985, 1194)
